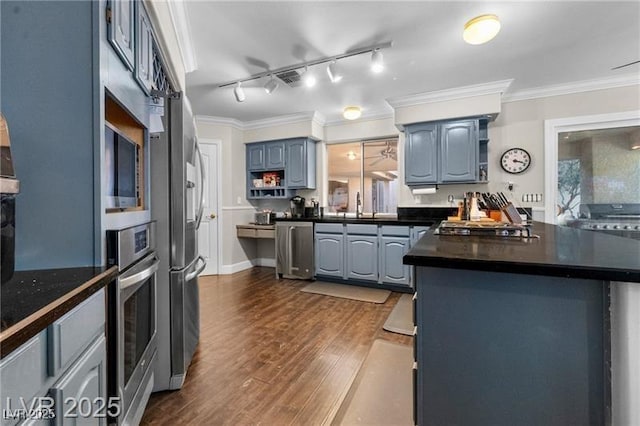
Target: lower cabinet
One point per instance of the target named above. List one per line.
(329, 254)
(362, 257)
(392, 270)
(79, 396)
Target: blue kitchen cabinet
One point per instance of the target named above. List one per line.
(121, 29)
(446, 152)
(256, 157)
(421, 154)
(417, 232)
(362, 257)
(392, 270)
(329, 254)
(144, 49)
(300, 171)
(459, 151)
(274, 155)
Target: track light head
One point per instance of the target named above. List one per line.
(334, 74)
(271, 85)
(239, 92)
(377, 62)
(308, 78)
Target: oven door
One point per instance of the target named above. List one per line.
(136, 326)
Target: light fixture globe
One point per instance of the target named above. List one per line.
(481, 29)
(352, 113)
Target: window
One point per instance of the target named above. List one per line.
(369, 168)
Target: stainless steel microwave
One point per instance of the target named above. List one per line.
(122, 167)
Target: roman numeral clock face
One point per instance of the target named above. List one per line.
(515, 160)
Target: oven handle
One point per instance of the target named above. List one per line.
(195, 273)
(128, 281)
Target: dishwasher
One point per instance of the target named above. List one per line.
(294, 250)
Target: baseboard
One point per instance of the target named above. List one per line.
(264, 261)
(235, 267)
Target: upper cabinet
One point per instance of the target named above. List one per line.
(144, 49)
(276, 168)
(446, 152)
(120, 21)
(300, 172)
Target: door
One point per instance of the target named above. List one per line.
(144, 49)
(362, 257)
(296, 171)
(392, 270)
(329, 249)
(120, 29)
(421, 154)
(275, 155)
(208, 232)
(255, 157)
(459, 151)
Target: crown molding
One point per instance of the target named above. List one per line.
(180, 23)
(573, 87)
(282, 120)
(380, 114)
(221, 121)
(450, 94)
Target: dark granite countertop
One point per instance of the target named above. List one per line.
(560, 251)
(31, 300)
(364, 221)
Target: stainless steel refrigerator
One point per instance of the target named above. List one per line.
(176, 204)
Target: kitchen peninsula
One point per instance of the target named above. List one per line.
(517, 331)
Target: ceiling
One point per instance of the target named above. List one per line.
(540, 44)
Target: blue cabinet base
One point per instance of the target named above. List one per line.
(361, 283)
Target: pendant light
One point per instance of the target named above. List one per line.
(271, 85)
(377, 64)
(481, 29)
(239, 92)
(334, 74)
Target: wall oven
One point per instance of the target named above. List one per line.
(131, 327)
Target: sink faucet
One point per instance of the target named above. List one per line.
(358, 205)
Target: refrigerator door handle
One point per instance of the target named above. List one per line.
(290, 249)
(202, 179)
(197, 271)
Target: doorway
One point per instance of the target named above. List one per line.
(209, 231)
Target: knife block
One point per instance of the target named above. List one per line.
(512, 213)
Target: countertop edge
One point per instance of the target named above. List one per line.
(19, 333)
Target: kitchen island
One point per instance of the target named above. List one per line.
(516, 331)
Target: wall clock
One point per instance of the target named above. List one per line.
(515, 160)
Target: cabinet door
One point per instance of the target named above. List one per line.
(392, 270)
(329, 253)
(417, 232)
(459, 151)
(255, 157)
(120, 29)
(275, 155)
(421, 154)
(82, 389)
(296, 172)
(144, 49)
(362, 257)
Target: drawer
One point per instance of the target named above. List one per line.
(362, 229)
(266, 233)
(23, 374)
(69, 336)
(247, 233)
(399, 231)
(330, 228)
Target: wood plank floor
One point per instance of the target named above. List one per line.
(270, 354)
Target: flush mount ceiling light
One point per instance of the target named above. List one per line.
(352, 113)
(481, 29)
(377, 62)
(271, 85)
(239, 92)
(308, 78)
(351, 155)
(334, 74)
(291, 74)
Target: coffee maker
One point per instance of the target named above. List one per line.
(297, 207)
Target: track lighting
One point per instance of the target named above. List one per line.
(239, 92)
(308, 78)
(334, 74)
(377, 64)
(271, 85)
